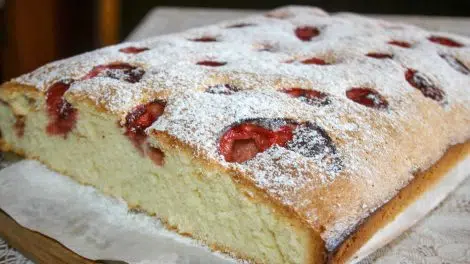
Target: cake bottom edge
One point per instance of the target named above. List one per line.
(422, 183)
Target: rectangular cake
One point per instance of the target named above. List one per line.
(287, 137)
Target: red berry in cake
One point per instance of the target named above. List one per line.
(242, 150)
(19, 125)
(445, 41)
(211, 63)
(308, 96)
(377, 55)
(133, 50)
(205, 39)
(241, 25)
(424, 84)
(54, 101)
(140, 119)
(456, 63)
(313, 60)
(62, 116)
(242, 142)
(399, 43)
(117, 70)
(312, 141)
(367, 97)
(156, 155)
(222, 89)
(306, 33)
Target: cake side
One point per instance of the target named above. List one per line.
(386, 213)
(189, 195)
(422, 182)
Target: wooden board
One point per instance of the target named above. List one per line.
(35, 246)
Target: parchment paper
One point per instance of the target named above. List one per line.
(99, 227)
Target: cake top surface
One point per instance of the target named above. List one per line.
(350, 106)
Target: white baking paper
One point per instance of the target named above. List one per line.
(99, 227)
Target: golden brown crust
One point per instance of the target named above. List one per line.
(9, 88)
(3, 145)
(422, 182)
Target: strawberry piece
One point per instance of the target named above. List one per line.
(241, 25)
(312, 97)
(445, 41)
(312, 141)
(306, 33)
(243, 150)
(62, 116)
(156, 155)
(242, 142)
(19, 125)
(133, 50)
(140, 119)
(204, 39)
(456, 63)
(316, 61)
(118, 71)
(424, 84)
(399, 43)
(367, 97)
(211, 63)
(377, 55)
(222, 89)
(54, 101)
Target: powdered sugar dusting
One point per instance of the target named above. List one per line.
(373, 152)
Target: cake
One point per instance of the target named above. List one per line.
(287, 137)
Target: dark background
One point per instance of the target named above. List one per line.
(133, 11)
(34, 32)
